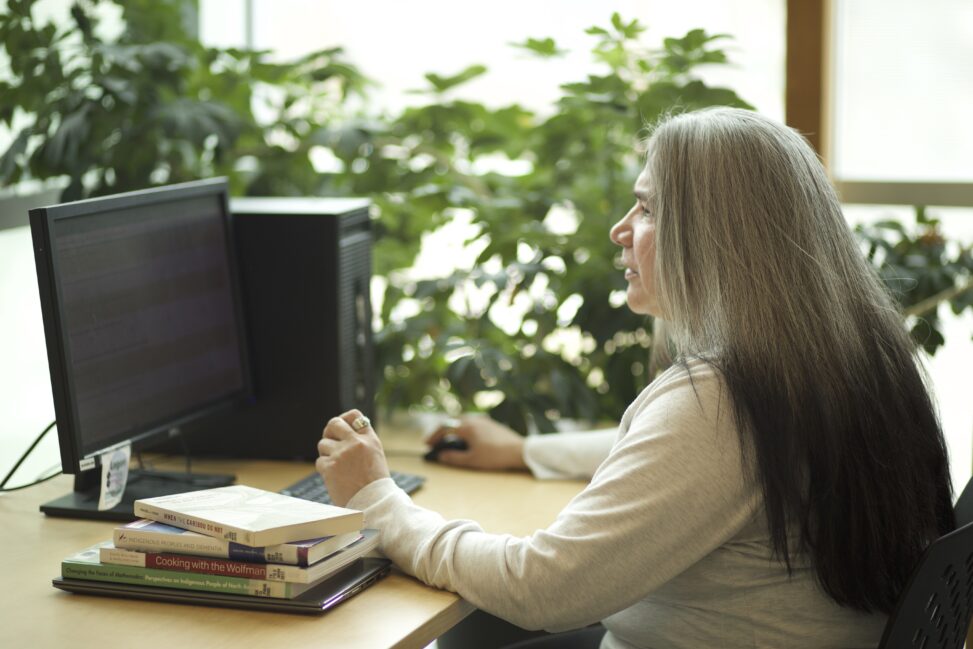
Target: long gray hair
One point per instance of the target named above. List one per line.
(758, 271)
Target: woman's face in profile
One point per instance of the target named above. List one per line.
(635, 233)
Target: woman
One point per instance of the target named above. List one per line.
(774, 487)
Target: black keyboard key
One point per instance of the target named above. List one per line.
(311, 487)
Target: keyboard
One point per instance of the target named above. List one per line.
(311, 487)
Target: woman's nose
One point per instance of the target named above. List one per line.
(621, 232)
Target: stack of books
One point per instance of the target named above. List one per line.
(237, 540)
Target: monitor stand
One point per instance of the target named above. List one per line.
(142, 483)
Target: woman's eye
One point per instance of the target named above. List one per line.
(646, 213)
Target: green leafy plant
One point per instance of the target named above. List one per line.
(532, 325)
(152, 106)
(923, 270)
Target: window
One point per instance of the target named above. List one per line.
(902, 136)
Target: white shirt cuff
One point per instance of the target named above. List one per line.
(567, 456)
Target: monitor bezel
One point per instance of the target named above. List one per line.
(73, 458)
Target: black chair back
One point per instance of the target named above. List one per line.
(935, 608)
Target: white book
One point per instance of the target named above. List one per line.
(250, 516)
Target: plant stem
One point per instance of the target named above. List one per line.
(933, 301)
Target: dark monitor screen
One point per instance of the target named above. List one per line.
(142, 314)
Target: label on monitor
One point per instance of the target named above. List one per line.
(114, 476)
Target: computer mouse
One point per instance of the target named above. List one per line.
(447, 443)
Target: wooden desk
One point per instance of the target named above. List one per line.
(397, 612)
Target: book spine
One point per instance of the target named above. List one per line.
(150, 541)
(301, 558)
(203, 565)
(184, 580)
(207, 546)
(205, 527)
(281, 553)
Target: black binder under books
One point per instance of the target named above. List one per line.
(325, 596)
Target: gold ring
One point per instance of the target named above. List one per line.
(360, 423)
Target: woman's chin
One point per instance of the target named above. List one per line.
(639, 303)
(636, 303)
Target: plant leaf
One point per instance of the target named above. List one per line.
(442, 84)
(545, 48)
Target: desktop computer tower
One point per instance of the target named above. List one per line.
(305, 268)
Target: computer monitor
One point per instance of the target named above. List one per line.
(144, 329)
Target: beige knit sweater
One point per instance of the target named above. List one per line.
(667, 545)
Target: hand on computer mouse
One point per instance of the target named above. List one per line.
(445, 443)
(489, 445)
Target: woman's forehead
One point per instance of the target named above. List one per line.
(643, 184)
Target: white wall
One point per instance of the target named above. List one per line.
(395, 43)
(26, 404)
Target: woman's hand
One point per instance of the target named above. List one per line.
(349, 459)
(492, 445)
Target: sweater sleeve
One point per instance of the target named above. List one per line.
(565, 456)
(670, 491)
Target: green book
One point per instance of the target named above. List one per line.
(87, 565)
